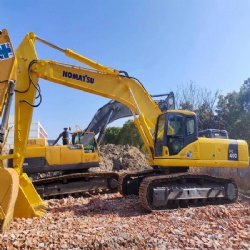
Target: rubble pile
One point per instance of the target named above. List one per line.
(111, 221)
(120, 158)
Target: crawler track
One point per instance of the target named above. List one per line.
(76, 184)
(129, 182)
(164, 191)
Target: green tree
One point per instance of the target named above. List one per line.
(111, 135)
(233, 115)
(245, 95)
(206, 116)
(244, 99)
(129, 134)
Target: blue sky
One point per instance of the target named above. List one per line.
(162, 43)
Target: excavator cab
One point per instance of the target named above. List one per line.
(175, 130)
(87, 139)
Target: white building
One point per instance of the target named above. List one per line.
(36, 131)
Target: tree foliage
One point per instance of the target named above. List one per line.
(128, 134)
(111, 135)
(244, 97)
(233, 111)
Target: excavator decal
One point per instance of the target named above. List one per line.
(6, 51)
(233, 151)
(78, 77)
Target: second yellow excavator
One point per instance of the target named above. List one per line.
(170, 137)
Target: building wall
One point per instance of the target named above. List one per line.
(36, 131)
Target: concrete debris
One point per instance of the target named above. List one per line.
(111, 221)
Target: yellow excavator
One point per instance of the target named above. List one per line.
(170, 137)
(62, 170)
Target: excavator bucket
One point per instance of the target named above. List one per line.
(9, 181)
(28, 203)
(18, 197)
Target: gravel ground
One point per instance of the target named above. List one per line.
(111, 221)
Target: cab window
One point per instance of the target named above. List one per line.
(190, 126)
(89, 143)
(176, 125)
(160, 128)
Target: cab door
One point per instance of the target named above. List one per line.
(175, 130)
(160, 138)
(175, 133)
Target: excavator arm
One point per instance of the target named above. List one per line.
(108, 113)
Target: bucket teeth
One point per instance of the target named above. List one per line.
(40, 209)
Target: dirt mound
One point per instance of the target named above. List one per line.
(122, 157)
